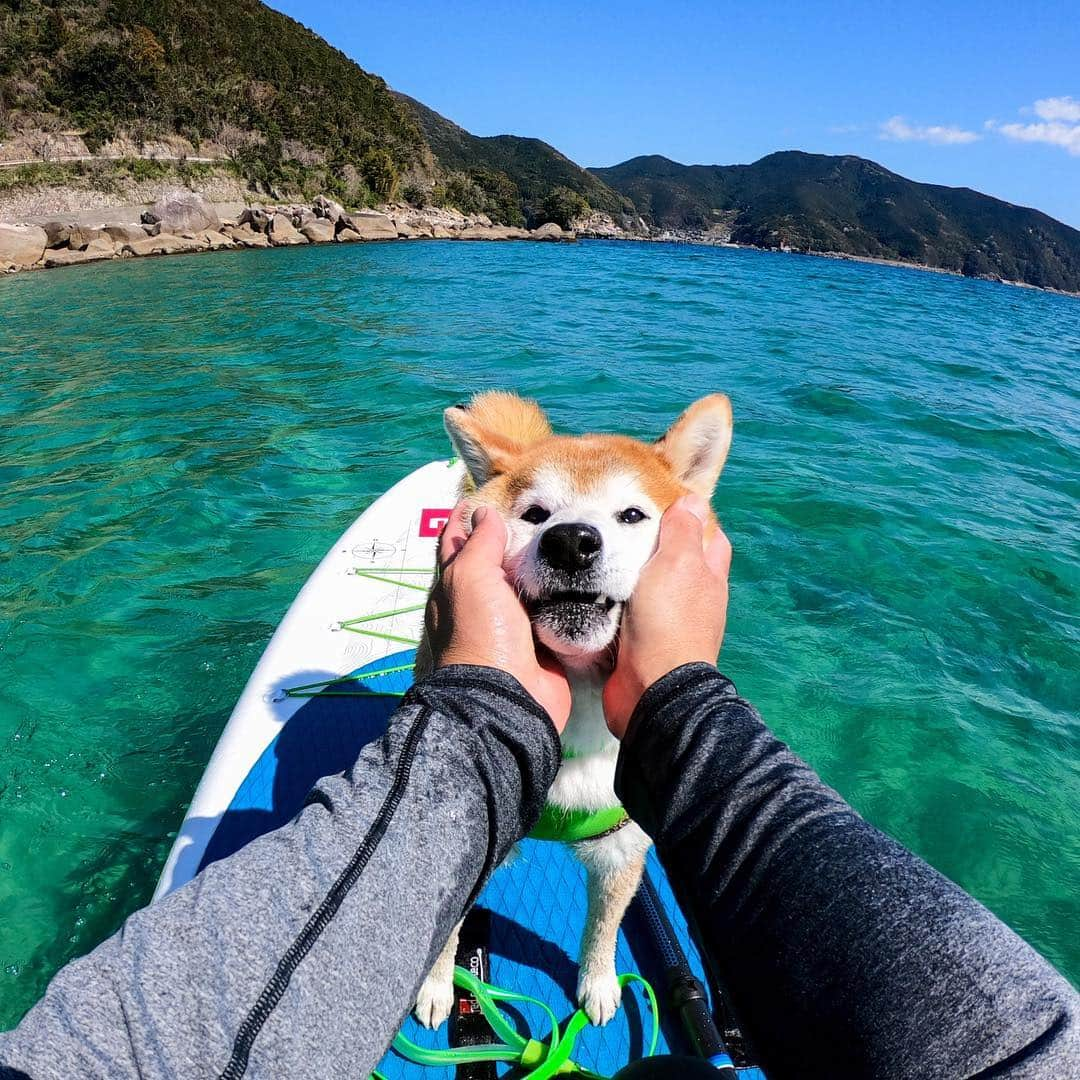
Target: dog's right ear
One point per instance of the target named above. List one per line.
(492, 430)
(696, 445)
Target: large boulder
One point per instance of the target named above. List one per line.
(65, 257)
(551, 231)
(475, 232)
(347, 236)
(57, 232)
(412, 226)
(255, 218)
(283, 231)
(102, 248)
(246, 236)
(327, 208)
(162, 244)
(215, 240)
(22, 245)
(182, 211)
(229, 212)
(123, 234)
(370, 225)
(81, 236)
(492, 232)
(319, 231)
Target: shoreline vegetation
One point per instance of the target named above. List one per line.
(182, 222)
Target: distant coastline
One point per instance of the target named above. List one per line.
(697, 240)
(183, 222)
(106, 106)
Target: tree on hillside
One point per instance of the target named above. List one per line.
(235, 141)
(563, 206)
(380, 173)
(502, 199)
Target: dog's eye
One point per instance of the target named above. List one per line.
(536, 515)
(631, 516)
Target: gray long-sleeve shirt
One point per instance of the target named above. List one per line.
(847, 954)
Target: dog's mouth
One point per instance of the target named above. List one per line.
(571, 598)
(575, 622)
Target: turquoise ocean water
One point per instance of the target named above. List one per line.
(182, 439)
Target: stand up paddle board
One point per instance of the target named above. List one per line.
(329, 679)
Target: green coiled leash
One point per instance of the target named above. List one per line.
(543, 1060)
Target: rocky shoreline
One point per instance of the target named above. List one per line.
(183, 222)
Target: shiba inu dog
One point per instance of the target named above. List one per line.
(582, 518)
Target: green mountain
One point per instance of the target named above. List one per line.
(279, 101)
(254, 90)
(813, 202)
(535, 168)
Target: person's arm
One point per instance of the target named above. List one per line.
(845, 953)
(300, 955)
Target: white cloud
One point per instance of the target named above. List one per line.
(1067, 136)
(1058, 108)
(1058, 125)
(897, 129)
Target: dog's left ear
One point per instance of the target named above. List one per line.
(697, 444)
(492, 430)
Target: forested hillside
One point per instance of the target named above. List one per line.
(245, 85)
(814, 202)
(269, 95)
(535, 169)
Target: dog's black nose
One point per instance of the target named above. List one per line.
(571, 547)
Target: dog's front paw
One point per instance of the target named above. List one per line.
(435, 1001)
(599, 995)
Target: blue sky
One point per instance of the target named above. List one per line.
(977, 94)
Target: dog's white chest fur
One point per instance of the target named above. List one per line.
(586, 780)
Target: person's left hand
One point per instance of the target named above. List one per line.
(475, 617)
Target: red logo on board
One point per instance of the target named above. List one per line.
(433, 520)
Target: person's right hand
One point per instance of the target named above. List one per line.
(677, 612)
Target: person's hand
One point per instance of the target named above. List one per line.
(474, 615)
(677, 612)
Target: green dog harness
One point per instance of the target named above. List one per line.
(574, 826)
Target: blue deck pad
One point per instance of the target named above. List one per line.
(537, 910)
(323, 737)
(536, 903)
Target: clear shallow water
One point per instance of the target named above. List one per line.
(182, 439)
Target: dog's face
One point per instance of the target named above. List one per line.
(582, 513)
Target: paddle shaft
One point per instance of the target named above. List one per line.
(686, 994)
